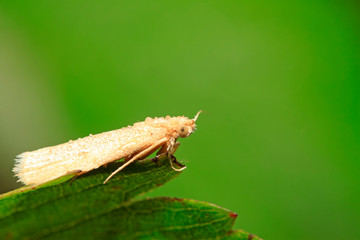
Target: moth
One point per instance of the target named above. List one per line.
(130, 143)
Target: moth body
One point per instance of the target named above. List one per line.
(85, 154)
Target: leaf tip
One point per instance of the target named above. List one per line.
(233, 215)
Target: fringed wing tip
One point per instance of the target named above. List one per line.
(19, 162)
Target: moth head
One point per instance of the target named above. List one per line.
(186, 126)
(175, 126)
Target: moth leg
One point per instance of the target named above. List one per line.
(177, 169)
(170, 150)
(164, 149)
(138, 156)
(174, 148)
(143, 157)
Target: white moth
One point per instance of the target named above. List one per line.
(85, 154)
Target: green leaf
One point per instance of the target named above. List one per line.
(89, 209)
(240, 235)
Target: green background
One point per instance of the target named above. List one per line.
(279, 140)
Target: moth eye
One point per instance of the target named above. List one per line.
(182, 129)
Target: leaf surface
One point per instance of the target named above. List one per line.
(240, 235)
(89, 209)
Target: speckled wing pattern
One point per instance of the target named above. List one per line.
(85, 153)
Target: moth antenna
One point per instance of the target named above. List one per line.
(197, 115)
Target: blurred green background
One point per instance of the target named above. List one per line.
(278, 81)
